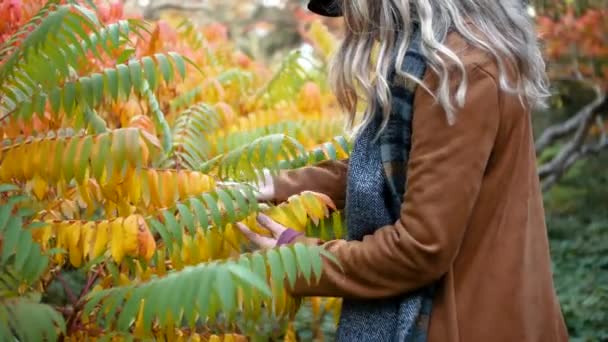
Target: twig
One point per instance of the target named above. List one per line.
(90, 282)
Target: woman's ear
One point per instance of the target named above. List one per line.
(327, 8)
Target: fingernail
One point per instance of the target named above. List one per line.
(261, 218)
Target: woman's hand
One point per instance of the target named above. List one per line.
(261, 241)
(265, 187)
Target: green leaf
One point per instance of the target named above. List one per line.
(124, 80)
(179, 64)
(5, 214)
(331, 258)
(97, 125)
(203, 297)
(165, 67)
(100, 155)
(289, 263)
(150, 71)
(111, 81)
(173, 228)
(201, 213)
(251, 278)
(161, 230)
(86, 91)
(215, 211)
(70, 155)
(136, 74)
(129, 309)
(55, 99)
(303, 259)
(125, 55)
(276, 268)
(316, 262)
(23, 249)
(69, 95)
(118, 150)
(228, 205)
(224, 286)
(8, 188)
(82, 161)
(186, 217)
(97, 87)
(11, 237)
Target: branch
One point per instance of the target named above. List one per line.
(560, 130)
(585, 151)
(575, 149)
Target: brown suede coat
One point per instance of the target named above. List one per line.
(472, 218)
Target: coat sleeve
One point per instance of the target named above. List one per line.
(445, 173)
(328, 177)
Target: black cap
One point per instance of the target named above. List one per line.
(327, 8)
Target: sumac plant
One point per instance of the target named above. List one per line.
(129, 151)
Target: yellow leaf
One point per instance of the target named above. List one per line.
(145, 240)
(145, 152)
(86, 197)
(116, 246)
(68, 209)
(27, 172)
(280, 301)
(61, 240)
(176, 258)
(169, 188)
(102, 237)
(123, 280)
(203, 249)
(183, 184)
(277, 214)
(161, 268)
(140, 330)
(88, 238)
(39, 187)
(129, 237)
(43, 235)
(232, 238)
(152, 178)
(186, 256)
(73, 236)
(134, 187)
(290, 334)
(315, 206)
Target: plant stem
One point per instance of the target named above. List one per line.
(71, 297)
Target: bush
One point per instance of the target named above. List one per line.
(129, 150)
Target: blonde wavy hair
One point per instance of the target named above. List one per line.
(376, 28)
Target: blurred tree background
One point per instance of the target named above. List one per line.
(571, 135)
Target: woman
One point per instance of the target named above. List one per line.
(442, 200)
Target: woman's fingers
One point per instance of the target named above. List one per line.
(265, 187)
(276, 228)
(261, 241)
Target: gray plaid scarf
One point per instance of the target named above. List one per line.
(375, 189)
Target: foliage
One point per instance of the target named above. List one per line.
(576, 43)
(579, 239)
(128, 152)
(575, 35)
